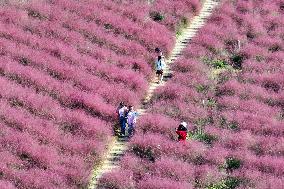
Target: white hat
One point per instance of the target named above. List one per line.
(183, 124)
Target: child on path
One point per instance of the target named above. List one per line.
(131, 120)
(182, 131)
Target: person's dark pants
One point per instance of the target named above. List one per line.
(122, 122)
(131, 129)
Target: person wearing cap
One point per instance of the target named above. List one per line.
(182, 131)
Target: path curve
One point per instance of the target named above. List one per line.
(118, 146)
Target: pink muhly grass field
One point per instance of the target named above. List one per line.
(64, 67)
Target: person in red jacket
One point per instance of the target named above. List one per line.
(182, 131)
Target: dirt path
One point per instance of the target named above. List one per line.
(118, 146)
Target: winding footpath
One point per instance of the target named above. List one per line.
(118, 146)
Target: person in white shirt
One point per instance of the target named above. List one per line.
(131, 120)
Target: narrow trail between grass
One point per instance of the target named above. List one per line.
(118, 146)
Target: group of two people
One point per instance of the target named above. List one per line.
(127, 116)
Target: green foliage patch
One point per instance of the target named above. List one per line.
(228, 183)
(157, 16)
(232, 163)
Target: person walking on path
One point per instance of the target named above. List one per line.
(131, 120)
(117, 127)
(160, 65)
(122, 121)
(182, 131)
